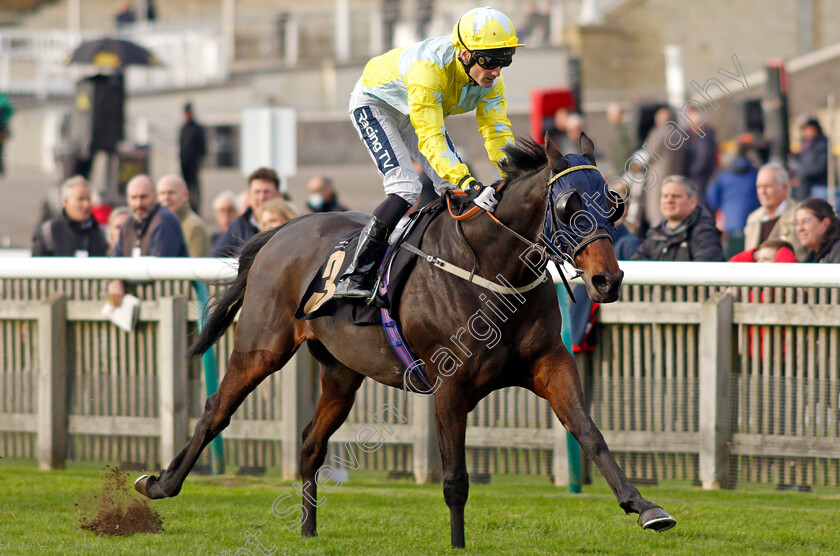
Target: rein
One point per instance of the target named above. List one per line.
(560, 258)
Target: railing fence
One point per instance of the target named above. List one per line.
(703, 383)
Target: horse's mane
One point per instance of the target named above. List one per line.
(522, 158)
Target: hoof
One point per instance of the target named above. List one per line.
(656, 519)
(143, 484)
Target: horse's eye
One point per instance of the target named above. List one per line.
(568, 203)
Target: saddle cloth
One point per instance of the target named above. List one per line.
(397, 263)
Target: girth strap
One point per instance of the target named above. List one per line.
(471, 277)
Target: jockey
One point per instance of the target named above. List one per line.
(398, 107)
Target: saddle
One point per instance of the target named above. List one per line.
(393, 272)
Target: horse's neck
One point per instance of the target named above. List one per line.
(499, 251)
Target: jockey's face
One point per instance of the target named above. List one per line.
(484, 77)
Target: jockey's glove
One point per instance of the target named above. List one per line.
(482, 196)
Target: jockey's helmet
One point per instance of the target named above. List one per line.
(484, 29)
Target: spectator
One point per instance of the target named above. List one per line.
(556, 129)
(224, 211)
(172, 193)
(6, 112)
(625, 243)
(818, 229)
(687, 231)
(153, 230)
(774, 219)
(574, 127)
(665, 162)
(322, 196)
(276, 212)
(733, 192)
(621, 148)
(125, 15)
(263, 185)
(116, 219)
(75, 232)
(775, 251)
(192, 147)
(700, 152)
(812, 161)
(634, 181)
(771, 251)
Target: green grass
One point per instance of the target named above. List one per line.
(371, 515)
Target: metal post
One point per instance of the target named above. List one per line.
(572, 447)
(211, 379)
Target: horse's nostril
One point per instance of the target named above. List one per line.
(601, 283)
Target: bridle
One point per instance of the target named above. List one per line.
(549, 251)
(599, 233)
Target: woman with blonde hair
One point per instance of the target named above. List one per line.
(275, 212)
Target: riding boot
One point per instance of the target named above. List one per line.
(358, 280)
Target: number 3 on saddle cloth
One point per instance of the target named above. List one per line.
(394, 270)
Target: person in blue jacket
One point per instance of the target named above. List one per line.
(733, 192)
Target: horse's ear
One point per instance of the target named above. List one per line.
(587, 147)
(556, 159)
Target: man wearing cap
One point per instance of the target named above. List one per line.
(398, 108)
(192, 150)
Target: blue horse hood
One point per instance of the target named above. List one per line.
(594, 192)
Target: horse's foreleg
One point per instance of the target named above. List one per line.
(338, 392)
(555, 378)
(245, 372)
(451, 421)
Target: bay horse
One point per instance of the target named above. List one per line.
(541, 187)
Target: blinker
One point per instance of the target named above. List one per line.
(567, 203)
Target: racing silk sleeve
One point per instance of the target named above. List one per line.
(426, 84)
(493, 123)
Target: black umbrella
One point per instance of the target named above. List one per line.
(112, 53)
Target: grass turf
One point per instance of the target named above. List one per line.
(372, 515)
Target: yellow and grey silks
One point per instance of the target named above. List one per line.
(428, 83)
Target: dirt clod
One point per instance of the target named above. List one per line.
(117, 511)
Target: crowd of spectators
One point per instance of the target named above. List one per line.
(715, 203)
(743, 211)
(160, 222)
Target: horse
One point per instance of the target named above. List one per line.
(543, 194)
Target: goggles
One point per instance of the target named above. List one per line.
(489, 60)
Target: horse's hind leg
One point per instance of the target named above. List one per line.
(338, 392)
(555, 378)
(245, 372)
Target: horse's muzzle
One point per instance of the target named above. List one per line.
(605, 288)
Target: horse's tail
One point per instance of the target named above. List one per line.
(223, 307)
